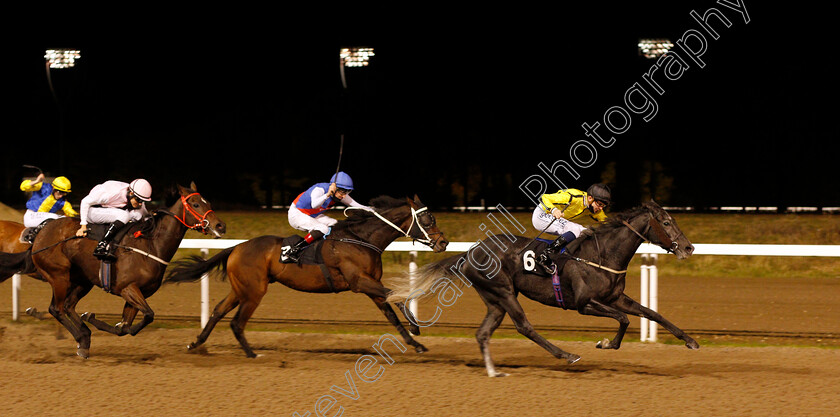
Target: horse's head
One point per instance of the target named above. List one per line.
(423, 226)
(197, 213)
(664, 232)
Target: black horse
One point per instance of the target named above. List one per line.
(591, 277)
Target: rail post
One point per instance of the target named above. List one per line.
(653, 297)
(644, 296)
(205, 293)
(412, 271)
(15, 296)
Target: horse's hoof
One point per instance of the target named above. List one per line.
(415, 330)
(83, 353)
(420, 349)
(572, 359)
(692, 344)
(603, 344)
(497, 374)
(32, 311)
(87, 316)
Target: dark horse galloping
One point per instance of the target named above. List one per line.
(352, 254)
(68, 264)
(591, 281)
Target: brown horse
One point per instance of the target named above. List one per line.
(68, 264)
(352, 255)
(10, 241)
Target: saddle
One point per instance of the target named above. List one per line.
(97, 231)
(537, 247)
(311, 255)
(28, 234)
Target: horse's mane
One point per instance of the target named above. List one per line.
(380, 204)
(614, 221)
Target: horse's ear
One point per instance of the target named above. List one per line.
(417, 200)
(192, 185)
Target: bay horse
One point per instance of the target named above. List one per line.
(591, 277)
(10, 241)
(67, 263)
(351, 254)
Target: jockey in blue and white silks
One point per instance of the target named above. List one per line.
(307, 212)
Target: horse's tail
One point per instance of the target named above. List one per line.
(16, 263)
(421, 286)
(192, 268)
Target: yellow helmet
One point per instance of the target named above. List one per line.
(61, 184)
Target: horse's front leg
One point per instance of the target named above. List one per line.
(630, 306)
(121, 328)
(595, 308)
(378, 293)
(412, 322)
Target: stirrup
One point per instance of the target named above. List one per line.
(104, 252)
(289, 255)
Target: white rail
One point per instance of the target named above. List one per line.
(649, 272)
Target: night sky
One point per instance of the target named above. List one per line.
(247, 100)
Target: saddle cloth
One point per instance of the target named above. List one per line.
(311, 255)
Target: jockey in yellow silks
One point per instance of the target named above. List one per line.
(46, 200)
(555, 214)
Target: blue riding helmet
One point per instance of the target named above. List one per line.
(342, 180)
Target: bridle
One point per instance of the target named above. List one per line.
(202, 223)
(667, 242)
(415, 213)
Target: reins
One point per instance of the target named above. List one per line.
(427, 240)
(668, 244)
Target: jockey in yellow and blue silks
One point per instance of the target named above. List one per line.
(47, 200)
(556, 212)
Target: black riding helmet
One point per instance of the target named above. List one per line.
(600, 192)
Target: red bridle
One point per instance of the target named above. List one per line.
(202, 224)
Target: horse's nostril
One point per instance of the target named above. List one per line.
(689, 248)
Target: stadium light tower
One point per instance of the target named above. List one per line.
(60, 59)
(653, 48)
(353, 57)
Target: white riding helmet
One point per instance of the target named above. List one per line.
(141, 188)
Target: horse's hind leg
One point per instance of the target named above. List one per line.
(228, 303)
(240, 319)
(630, 306)
(492, 320)
(72, 323)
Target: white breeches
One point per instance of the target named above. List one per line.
(34, 218)
(541, 220)
(299, 220)
(104, 215)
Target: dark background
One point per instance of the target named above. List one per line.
(458, 106)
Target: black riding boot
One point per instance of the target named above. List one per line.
(291, 254)
(104, 250)
(544, 259)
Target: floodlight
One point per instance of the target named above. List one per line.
(355, 57)
(62, 58)
(653, 48)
